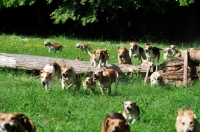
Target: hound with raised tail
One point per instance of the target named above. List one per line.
(99, 57)
(84, 47)
(152, 52)
(105, 79)
(53, 46)
(136, 51)
(49, 73)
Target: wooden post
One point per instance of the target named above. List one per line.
(147, 73)
(185, 67)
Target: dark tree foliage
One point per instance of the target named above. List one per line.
(87, 11)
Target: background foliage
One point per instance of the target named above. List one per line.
(86, 11)
(155, 20)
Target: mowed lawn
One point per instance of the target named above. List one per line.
(59, 110)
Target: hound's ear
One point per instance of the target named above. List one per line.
(195, 117)
(118, 47)
(101, 72)
(64, 66)
(126, 125)
(49, 73)
(173, 46)
(134, 103)
(107, 122)
(148, 43)
(94, 52)
(71, 68)
(41, 71)
(20, 116)
(180, 112)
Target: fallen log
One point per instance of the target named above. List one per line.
(172, 70)
(193, 55)
(175, 72)
(36, 63)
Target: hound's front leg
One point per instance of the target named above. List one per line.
(130, 53)
(116, 85)
(99, 65)
(133, 121)
(95, 64)
(46, 86)
(69, 86)
(63, 85)
(51, 83)
(102, 90)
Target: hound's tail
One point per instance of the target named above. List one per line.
(89, 53)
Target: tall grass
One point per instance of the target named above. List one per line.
(59, 110)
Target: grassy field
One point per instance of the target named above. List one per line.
(83, 111)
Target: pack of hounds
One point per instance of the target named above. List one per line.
(99, 58)
(186, 120)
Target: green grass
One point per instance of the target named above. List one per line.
(78, 111)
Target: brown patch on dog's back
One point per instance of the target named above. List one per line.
(86, 45)
(112, 74)
(57, 68)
